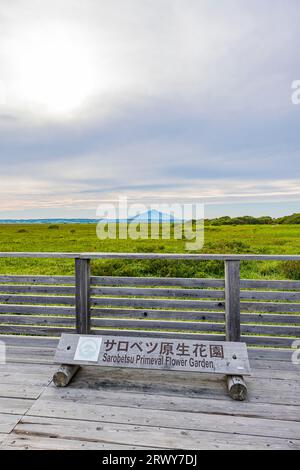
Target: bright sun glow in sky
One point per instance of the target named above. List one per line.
(52, 69)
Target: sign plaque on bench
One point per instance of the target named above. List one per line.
(222, 357)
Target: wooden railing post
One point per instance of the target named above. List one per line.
(232, 300)
(82, 293)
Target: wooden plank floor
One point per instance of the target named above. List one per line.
(130, 409)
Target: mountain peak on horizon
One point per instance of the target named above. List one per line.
(153, 215)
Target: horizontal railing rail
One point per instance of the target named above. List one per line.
(175, 256)
(260, 312)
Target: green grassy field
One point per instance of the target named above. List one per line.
(263, 239)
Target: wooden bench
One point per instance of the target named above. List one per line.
(172, 354)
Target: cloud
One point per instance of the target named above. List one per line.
(176, 99)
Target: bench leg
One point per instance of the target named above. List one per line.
(64, 375)
(237, 388)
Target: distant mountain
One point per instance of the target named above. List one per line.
(149, 216)
(153, 215)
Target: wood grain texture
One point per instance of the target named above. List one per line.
(158, 292)
(40, 279)
(82, 296)
(156, 281)
(36, 299)
(232, 300)
(160, 438)
(157, 303)
(37, 289)
(37, 309)
(237, 388)
(64, 375)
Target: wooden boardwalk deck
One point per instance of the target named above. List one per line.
(126, 409)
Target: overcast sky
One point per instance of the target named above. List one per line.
(169, 100)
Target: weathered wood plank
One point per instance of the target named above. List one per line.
(19, 370)
(269, 284)
(103, 312)
(157, 303)
(36, 299)
(8, 422)
(270, 307)
(29, 341)
(25, 356)
(14, 441)
(166, 419)
(142, 435)
(185, 256)
(270, 367)
(34, 330)
(270, 318)
(284, 342)
(37, 289)
(37, 254)
(270, 354)
(270, 295)
(191, 315)
(273, 372)
(155, 401)
(158, 324)
(17, 406)
(156, 281)
(33, 320)
(149, 281)
(175, 256)
(274, 330)
(19, 380)
(41, 279)
(37, 309)
(158, 292)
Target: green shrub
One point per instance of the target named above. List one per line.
(291, 269)
(238, 246)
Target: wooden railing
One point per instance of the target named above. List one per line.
(258, 312)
